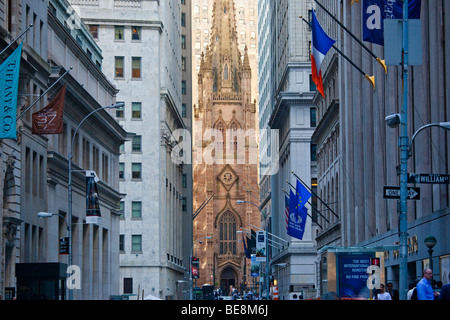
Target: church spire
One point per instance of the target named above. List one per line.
(223, 53)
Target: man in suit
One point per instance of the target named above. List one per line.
(394, 293)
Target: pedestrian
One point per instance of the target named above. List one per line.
(445, 291)
(382, 295)
(412, 293)
(424, 288)
(394, 293)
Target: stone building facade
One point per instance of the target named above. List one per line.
(224, 157)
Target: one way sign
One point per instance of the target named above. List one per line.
(392, 192)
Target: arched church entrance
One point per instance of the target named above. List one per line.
(228, 279)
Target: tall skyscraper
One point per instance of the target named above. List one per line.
(144, 56)
(225, 153)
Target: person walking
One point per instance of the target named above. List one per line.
(445, 291)
(382, 295)
(424, 288)
(394, 293)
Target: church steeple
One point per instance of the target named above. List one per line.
(222, 55)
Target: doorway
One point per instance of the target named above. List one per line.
(227, 280)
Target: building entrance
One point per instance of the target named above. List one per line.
(228, 280)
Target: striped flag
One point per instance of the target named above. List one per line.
(320, 44)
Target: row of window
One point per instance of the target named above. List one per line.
(119, 33)
(119, 67)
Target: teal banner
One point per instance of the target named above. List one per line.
(9, 84)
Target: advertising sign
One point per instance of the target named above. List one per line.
(254, 266)
(353, 274)
(261, 246)
(195, 265)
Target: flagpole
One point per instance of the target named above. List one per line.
(9, 45)
(307, 211)
(314, 194)
(370, 78)
(308, 202)
(383, 64)
(22, 114)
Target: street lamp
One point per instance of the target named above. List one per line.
(267, 245)
(445, 125)
(430, 242)
(117, 105)
(190, 264)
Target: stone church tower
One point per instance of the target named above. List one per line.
(225, 155)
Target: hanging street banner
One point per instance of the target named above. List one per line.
(9, 82)
(374, 12)
(261, 249)
(93, 214)
(255, 266)
(393, 192)
(428, 178)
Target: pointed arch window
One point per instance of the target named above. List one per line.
(227, 234)
(221, 137)
(225, 72)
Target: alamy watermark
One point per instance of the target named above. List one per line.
(230, 146)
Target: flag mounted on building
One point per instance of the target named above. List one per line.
(93, 214)
(320, 44)
(297, 218)
(9, 84)
(286, 210)
(375, 11)
(302, 194)
(49, 120)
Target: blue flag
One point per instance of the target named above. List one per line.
(9, 84)
(302, 195)
(375, 11)
(297, 218)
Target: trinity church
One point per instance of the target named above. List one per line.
(225, 156)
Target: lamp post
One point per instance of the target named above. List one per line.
(430, 242)
(445, 125)
(117, 105)
(190, 264)
(267, 246)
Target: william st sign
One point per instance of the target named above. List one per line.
(428, 178)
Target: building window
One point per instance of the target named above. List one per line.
(136, 33)
(122, 243)
(184, 204)
(119, 67)
(136, 243)
(119, 33)
(120, 112)
(183, 63)
(183, 41)
(136, 210)
(227, 233)
(136, 145)
(313, 117)
(127, 285)
(183, 19)
(313, 152)
(136, 108)
(122, 209)
(136, 67)
(183, 110)
(136, 169)
(184, 180)
(183, 87)
(121, 170)
(94, 31)
(312, 85)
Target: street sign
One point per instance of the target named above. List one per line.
(64, 245)
(428, 178)
(392, 192)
